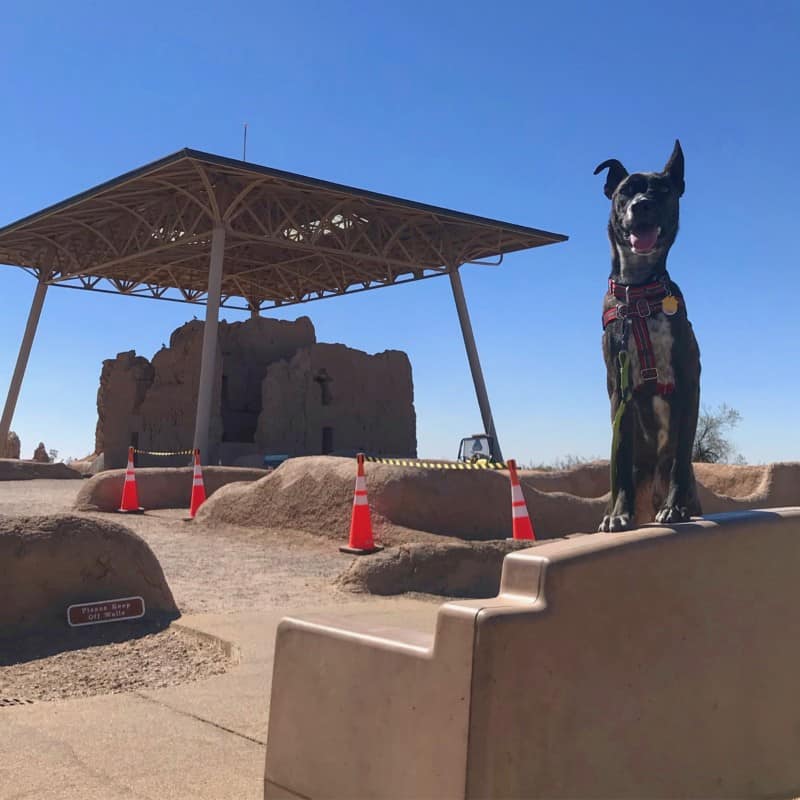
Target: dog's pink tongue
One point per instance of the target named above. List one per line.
(644, 241)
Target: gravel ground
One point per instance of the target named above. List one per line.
(209, 569)
(106, 660)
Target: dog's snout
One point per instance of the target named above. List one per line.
(642, 205)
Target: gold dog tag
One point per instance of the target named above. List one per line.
(670, 305)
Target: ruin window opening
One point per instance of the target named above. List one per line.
(327, 441)
(324, 380)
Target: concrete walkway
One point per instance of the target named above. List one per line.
(195, 741)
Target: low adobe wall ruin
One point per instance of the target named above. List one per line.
(414, 504)
(51, 562)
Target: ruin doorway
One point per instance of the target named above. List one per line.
(239, 413)
(327, 441)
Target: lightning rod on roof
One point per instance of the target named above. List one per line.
(244, 144)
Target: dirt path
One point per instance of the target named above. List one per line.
(209, 569)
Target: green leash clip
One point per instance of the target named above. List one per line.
(623, 359)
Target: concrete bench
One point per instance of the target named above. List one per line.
(663, 662)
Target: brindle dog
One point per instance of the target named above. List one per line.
(651, 354)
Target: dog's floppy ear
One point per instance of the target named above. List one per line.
(674, 168)
(616, 174)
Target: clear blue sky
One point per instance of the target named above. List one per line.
(499, 109)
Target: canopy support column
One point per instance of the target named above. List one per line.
(474, 361)
(209, 356)
(22, 363)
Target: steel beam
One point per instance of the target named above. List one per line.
(22, 363)
(474, 361)
(209, 356)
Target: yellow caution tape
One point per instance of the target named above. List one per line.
(408, 462)
(164, 453)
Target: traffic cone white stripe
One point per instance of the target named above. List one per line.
(521, 521)
(198, 487)
(361, 539)
(130, 499)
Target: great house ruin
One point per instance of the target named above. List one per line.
(276, 391)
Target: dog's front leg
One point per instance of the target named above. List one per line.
(681, 501)
(620, 516)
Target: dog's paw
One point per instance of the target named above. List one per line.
(616, 522)
(673, 514)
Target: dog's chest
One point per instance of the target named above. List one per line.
(662, 343)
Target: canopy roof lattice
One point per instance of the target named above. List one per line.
(289, 238)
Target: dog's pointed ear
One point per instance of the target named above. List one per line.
(674, 168)
(616, 174)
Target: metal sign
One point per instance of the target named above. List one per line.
(123, 608)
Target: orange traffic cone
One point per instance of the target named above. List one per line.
(198, 487)
(523, 529)
(130, 498)
(361, 541)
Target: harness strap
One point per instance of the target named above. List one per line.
(640, 302)
(647, 359)
(641, 308)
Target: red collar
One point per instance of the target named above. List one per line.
(657, 290)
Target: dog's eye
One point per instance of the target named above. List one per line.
(631, 188)
(660, 187)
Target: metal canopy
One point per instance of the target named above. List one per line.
(289, 238)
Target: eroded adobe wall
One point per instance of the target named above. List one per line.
(124, 382)
(157, 401)
(248, 348)
(167, 413)
(13, 447)
(366, 402)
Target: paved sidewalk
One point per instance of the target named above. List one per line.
(195, 741)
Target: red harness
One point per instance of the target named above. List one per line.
(640, 302)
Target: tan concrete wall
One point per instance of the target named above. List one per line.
(657, 663)
(662, 666)
(356, 710)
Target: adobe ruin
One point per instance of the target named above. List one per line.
(13, 446)
(277, 391)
